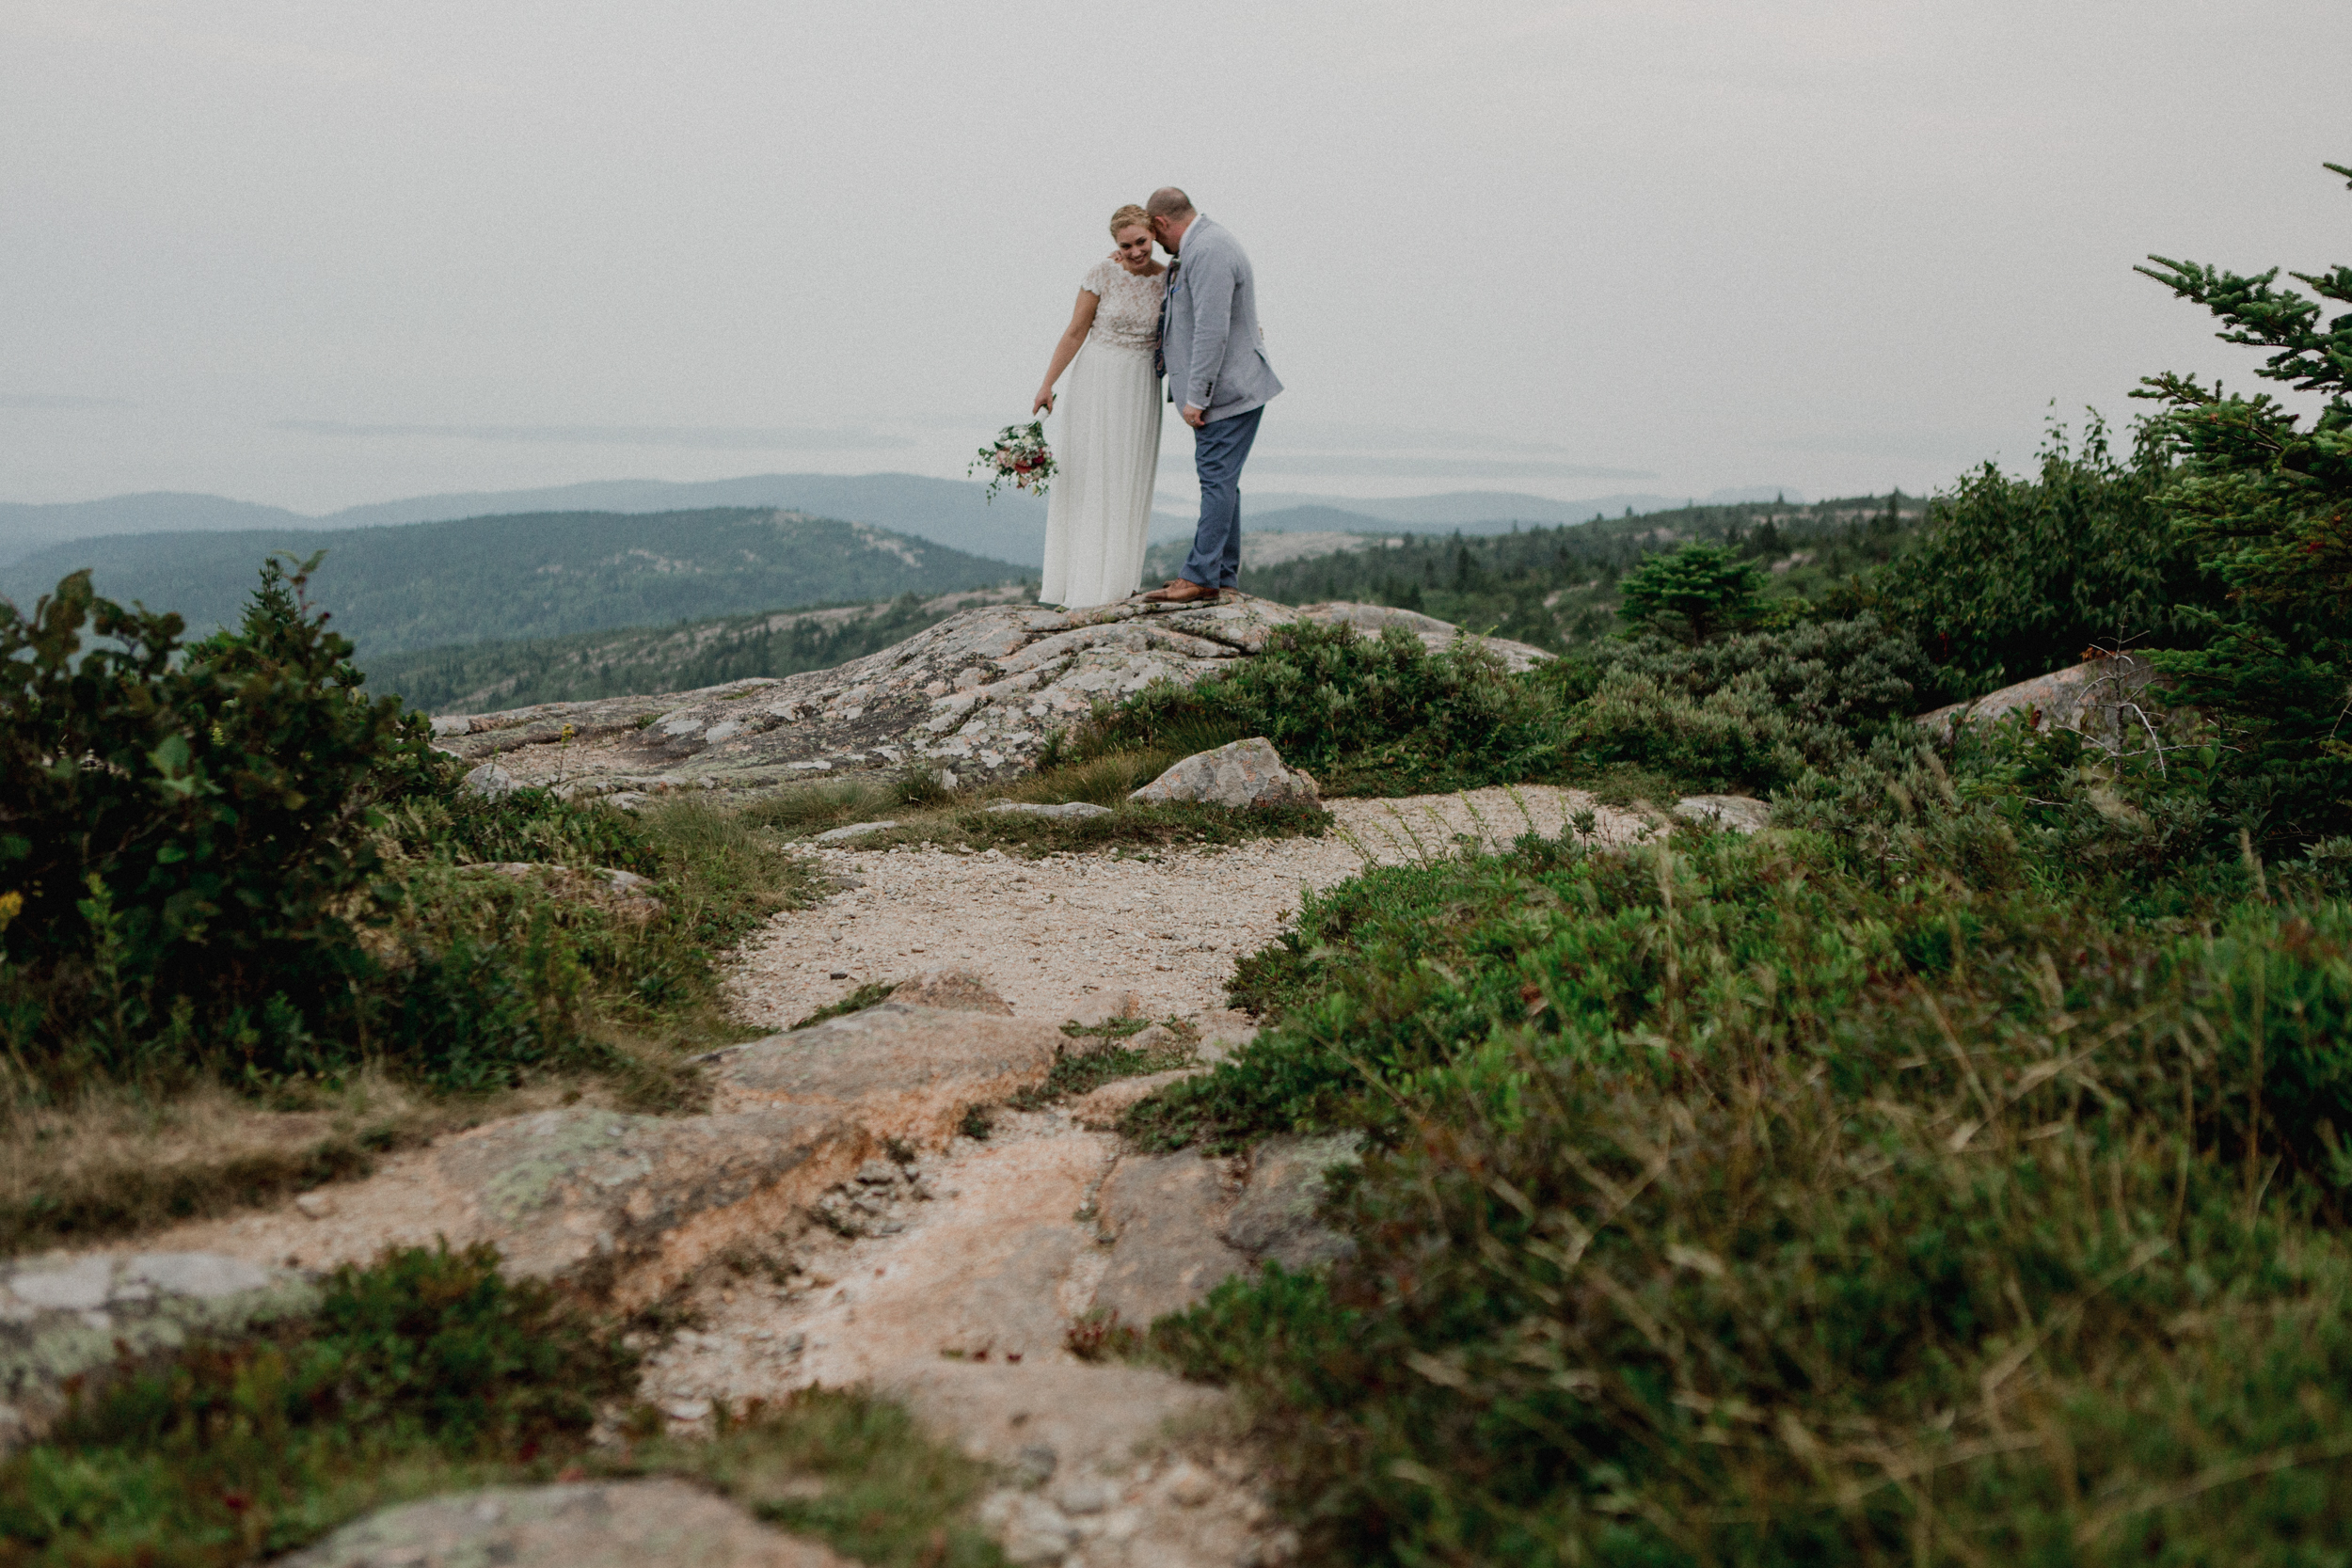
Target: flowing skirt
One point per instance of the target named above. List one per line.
(1106, 455)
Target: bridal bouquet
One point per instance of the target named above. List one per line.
(1020, 457)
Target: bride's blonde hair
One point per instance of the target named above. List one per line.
(1130, 216)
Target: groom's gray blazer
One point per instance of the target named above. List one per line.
(1214, 354)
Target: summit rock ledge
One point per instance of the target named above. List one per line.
(975, 696)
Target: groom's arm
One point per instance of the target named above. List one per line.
(1212, 290)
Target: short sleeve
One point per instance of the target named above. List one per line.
(1098, 279)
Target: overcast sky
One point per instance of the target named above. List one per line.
(329, 253)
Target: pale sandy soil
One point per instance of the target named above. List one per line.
(1071, 935)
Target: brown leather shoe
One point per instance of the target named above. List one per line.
(1182, 590)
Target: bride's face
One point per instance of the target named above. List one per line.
(1135, 247)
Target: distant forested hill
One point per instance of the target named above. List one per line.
(549, 574)
(955, 513)
(1555, 587)
(486, 676)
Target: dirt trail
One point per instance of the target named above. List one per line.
(1071, 935)
(965, 1273)
(952, 1271)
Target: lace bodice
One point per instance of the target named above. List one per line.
(1129, 314)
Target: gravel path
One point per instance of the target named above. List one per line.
(1075, 936)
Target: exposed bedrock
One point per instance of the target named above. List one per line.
(976, 695)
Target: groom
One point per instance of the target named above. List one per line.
(1217, 372)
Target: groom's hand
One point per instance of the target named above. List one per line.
(1196, 417)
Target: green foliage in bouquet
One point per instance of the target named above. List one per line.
(1020, 457)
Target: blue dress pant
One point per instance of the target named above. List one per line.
(1219, 448)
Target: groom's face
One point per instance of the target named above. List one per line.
(1165, 231)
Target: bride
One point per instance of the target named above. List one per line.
(1109, 451)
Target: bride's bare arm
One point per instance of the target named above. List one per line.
(1073, 337)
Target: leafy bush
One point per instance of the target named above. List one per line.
(223, 858)
(1756, 709)
(1369, 715)
(184, 827)
(2013, 577)
(234, 1449)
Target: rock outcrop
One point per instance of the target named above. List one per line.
(1246, 773)
(611, 1524)
(1738, 814)
(1181, 1225)
(2113, 699)
(976, 696)
(64, 1318)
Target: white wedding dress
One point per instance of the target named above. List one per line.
(1106, 447)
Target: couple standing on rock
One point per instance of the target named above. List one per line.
(1194, 322)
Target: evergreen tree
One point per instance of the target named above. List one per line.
(2266, 501)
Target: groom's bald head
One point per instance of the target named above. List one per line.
(1171, 213)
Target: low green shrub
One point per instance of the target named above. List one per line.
(1365, 715)
(1760, 1317)
(1733, 1201)
(1756, 708)
(415, 1370)
(2012, 576)
(484, 979)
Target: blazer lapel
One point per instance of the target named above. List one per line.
(1168, 292)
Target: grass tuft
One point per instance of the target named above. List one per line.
(849, 1468)
(872, 993)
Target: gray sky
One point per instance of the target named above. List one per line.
(328, 253)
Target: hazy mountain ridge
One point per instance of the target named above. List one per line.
(949, 512)
(541, 575)
(484, 676)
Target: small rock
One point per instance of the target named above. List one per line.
(1155, 1037)
(1037, 1463)
(1068, 811)
(957, 991)
(1167, 1213)
(315, 1206)
(78, 1287)
(875, 1174)
(855, 829)
(1277, 1216)
(1188, 1485)
(687, 1410)
(490, 781)
(1036, 1532)
(1246, 773)
(618, 1523)
(1736, 813)
(1085, 1494)
(205, 1275)
(1276, 1549)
